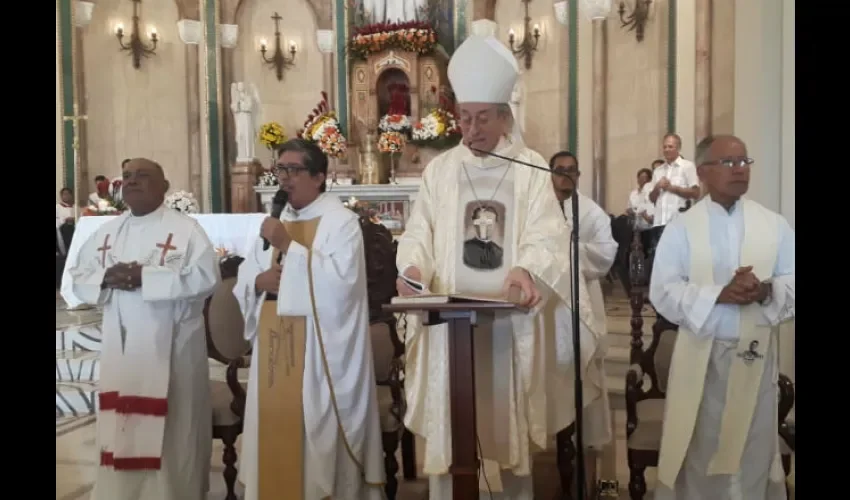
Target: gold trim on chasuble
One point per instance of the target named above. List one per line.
(282, 341)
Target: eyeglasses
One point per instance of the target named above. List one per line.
(732, 162)
(288, 170)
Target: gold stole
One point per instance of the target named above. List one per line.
(282, 341)
(691, 353)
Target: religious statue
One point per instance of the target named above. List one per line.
(245, 104)
(395, 11)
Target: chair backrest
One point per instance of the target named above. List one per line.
(655, 361)
(224, 323)
(381, 271)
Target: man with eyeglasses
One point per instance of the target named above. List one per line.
(725, 273)
(306, 312)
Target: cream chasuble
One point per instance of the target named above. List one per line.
(702, 365)
(537, 379)
(311, 424)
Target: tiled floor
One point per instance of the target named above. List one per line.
(75, 435)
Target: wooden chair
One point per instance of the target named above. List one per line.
(226, 344)
(645, 405)
(388, 352)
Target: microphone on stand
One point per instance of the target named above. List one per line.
(278, 202)
(574, 285)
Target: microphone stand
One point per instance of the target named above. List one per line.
(576, 323)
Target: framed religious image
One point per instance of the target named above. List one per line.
(392, 214)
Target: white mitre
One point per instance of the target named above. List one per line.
(483, 70)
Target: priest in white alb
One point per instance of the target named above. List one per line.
(725, 273)
(482, 225)
(312, 427)
(151, 269)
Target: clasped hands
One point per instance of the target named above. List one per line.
(744, 288)
(123, 276)
(517, 277)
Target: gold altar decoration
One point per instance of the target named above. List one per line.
(372, 167)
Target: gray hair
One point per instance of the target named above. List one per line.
(704, 146)
(675, 137)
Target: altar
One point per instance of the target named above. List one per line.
(391, 203)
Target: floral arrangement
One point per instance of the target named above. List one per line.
(391, 142)
(104, 207)
(268, 179)
(413, 36)
(183, 202)
(322, 128)
(271, 135)
(438, 129)
(394, 123)
(115, 189)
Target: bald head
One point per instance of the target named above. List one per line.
(724, 167)
(144, 185)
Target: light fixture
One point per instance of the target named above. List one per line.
(596, 10)
(136, 47)
(636, 21)
(530, 38)
(278, 60)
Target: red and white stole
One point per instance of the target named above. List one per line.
(135, 377)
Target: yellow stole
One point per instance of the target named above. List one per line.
(691, 353)
(282, 341)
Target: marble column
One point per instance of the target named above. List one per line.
(82, 17)
(190, 31)
(600, 109)
(702, 99)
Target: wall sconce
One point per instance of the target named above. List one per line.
(278, 61)
(136, 47)
(528, 45)
(636, 21)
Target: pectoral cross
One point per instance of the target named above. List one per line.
(103, 250)
(75, 144)
(165, 248)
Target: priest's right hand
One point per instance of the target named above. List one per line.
(403, 288)
(269, 281)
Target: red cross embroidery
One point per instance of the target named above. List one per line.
(103, 250)
(165, 248)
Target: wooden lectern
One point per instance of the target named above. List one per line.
(461, 317)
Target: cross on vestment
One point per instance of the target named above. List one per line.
(165, 248)
(106, 246)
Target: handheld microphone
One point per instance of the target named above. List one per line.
(576, 323)
(278, 202)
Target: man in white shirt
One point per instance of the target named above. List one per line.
(639, 205)
(674, 184)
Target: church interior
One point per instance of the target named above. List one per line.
(207, 88)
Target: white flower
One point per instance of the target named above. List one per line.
(102, 205)
(394, 123)
(183, 202)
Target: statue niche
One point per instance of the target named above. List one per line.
(374, 82)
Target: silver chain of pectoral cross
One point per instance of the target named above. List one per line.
(472, 187)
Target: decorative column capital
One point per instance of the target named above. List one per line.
(229, 35)
(82, 13)
(562, 12)
(484, 27)
(326, 41)
(190, 31)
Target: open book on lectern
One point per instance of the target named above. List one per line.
(447, 298)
